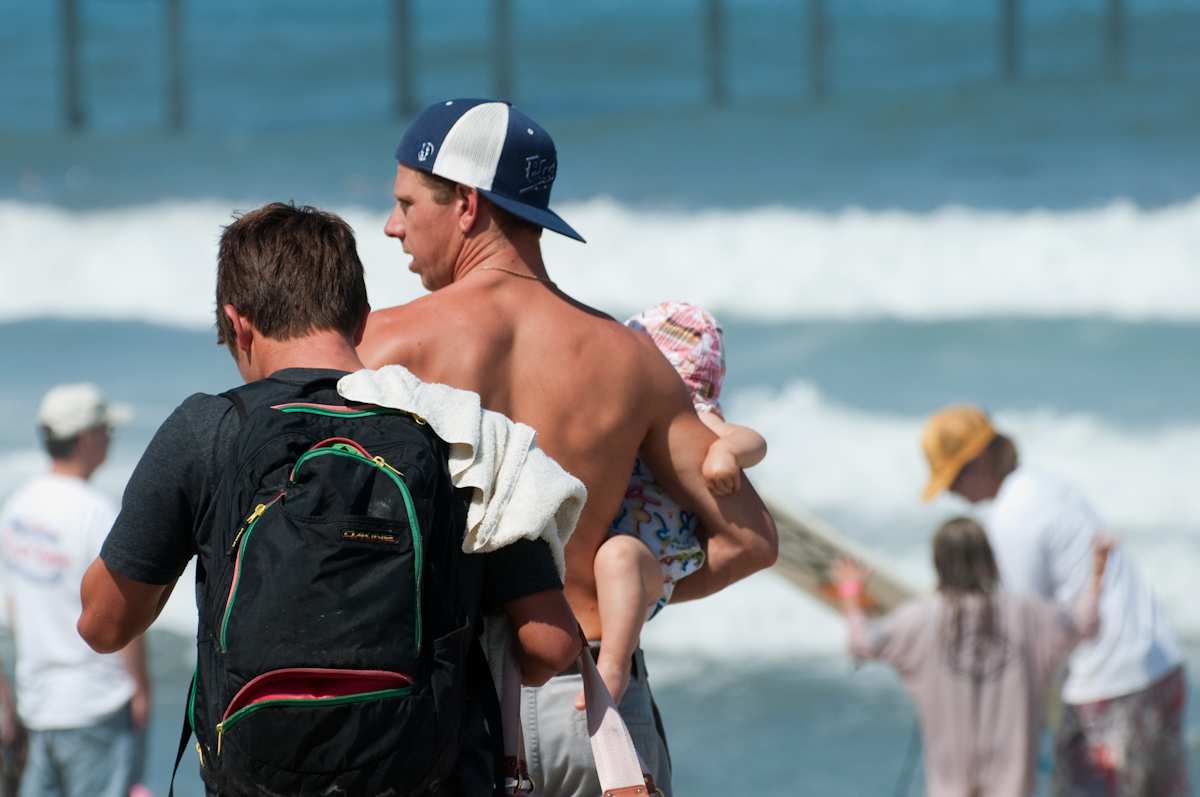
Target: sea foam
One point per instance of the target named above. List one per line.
(157, 262)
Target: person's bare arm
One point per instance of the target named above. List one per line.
(738, 533)
(735, 448)
(134, 659)
(746, 445)
(11, 729)
(1087, 608)
(116, 609)
(849, 578)
(547, 635)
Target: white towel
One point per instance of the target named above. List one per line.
(517, 491)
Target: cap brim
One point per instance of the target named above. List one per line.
(938, 483)
(542, 217)
(118, 414)
(941, 481)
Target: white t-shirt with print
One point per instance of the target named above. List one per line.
(50, 531)
(1041, 530)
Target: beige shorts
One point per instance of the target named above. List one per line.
(558, 751)
(556, 738)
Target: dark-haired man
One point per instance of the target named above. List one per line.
(472, 191)
(83, 709)
(291, 306)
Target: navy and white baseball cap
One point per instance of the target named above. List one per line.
(493, 147)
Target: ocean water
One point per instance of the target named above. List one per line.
(929, 234)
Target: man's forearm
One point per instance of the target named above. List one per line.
(738, 552)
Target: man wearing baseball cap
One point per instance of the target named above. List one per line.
(472, 194)
(83, 709)
(1122, 724)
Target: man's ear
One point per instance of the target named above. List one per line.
(361, 329)
(468, 202)
(243, 330)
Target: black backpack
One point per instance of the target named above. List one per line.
(336, 608)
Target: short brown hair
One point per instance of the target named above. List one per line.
(57, 447)
(291, 271)
(443, 194)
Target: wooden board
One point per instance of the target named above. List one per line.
(809, 545)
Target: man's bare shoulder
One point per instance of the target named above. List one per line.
(408, 332)
(653, 367)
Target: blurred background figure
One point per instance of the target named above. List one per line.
(976, 659)
(14, 742)
(84, 711)
(1121, 732)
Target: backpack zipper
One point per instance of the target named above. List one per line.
(341, 411)
(249, 521)
(238, 549)
(306, 697)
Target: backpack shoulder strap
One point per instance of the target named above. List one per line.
(238, 403)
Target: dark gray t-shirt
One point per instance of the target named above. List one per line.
(170, 499)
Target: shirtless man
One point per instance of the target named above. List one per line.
(472, 191)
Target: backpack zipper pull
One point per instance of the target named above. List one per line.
(381, 462)
(220, 734)
(237, 538)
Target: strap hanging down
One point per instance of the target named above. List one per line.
(618, 767)
(185, 735)
(617, 764)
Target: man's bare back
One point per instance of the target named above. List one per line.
(595, 391)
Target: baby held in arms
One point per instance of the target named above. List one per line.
(652, 543)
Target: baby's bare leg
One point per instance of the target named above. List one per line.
(628, 582)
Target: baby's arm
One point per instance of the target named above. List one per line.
(735, 448)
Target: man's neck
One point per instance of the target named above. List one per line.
(324, 350)
(71, 468)
(520, 255)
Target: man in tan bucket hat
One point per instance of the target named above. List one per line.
(1124, 695)
(954, 437)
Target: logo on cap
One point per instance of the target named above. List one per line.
(425, 151)
(539, 172)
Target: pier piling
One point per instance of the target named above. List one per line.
(714, 43)
(502, 48)
(1009, 39)
(818, 50)
(403, 42)
(176, 92)
(1114, 39)
(72, 74)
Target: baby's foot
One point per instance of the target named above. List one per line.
(615, 676)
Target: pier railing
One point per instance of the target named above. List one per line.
(714, 18)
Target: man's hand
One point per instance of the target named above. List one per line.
(721, 470)
(848, 578)
(139, 709)
(1102, 547)
(11, 729)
